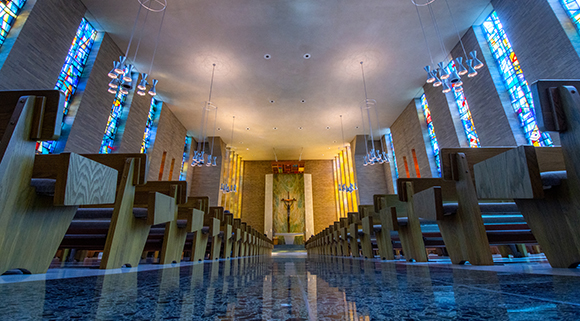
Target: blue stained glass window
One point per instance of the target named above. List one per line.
(514, 81)
(71, 71)
(9, 10)
(186, 150)
(148, 134)
(390, 139)
(573, 9)
(431, 129)
(465, 114)
(107, 145)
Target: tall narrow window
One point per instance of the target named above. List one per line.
(431, 129)
(514, 80)
(406, 167)
(148, 134)
(465, 114)
(107, 145)
(71, 71)
(184, 161)
(573, 9)
(416, 163)
(390, 138)
(9, 10)
(162, 167)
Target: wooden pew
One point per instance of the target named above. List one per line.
(138, 206)
(237, 239)
(463, 230)
(39, 195)
(227, 229)
(388, 222)
(545, 200)
(216, 234)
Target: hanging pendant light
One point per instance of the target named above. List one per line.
(472, 72)
(437, 82)
(123, 71)
(477, 64)
(373, 156)
(153, 90)
(430, 77)
(446, 87)
(461, 70)
(208, 106)
(227, 187)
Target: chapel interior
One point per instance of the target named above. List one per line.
(290, 160)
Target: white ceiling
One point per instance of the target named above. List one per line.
(236, 34)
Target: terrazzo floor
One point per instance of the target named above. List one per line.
(294, 287)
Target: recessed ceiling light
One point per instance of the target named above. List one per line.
(219, 128)
(267, 56)
(241, 142)
(247, 128)
(303, 101)
(356, 127)
(300, 128)
(306, 56)
(271, 101)
(334, 141)
(247, 149)
(275, 127)
(327, 127)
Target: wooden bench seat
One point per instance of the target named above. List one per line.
(33, 224)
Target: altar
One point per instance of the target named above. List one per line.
(288, 210)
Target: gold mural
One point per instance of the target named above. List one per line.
(288, 195)
(344, 175)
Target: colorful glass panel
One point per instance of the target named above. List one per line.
(71, 71)
(147, 135)
(573, 9)
(465, 114)
(390, 139)
(514, 81)
(186, 150)
(107, 145)
(431, 129)
(9, 10)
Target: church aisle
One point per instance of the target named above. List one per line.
(293, 287)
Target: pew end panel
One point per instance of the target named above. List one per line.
(516, 173)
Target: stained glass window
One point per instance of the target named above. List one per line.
(465, 114)
(9, 10)
(431, 129)
(390, 139)
(186, 150)
(71, 71)
(148, 134)
(573, 9)
(514, 81)
(113, 124)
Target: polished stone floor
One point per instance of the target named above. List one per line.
(293, 287)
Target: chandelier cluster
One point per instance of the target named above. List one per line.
(226, 187)
(199, 154)
(448, 75)
(374, 156)
(121, 74)
(349, 189)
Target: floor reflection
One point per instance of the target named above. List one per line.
(294, 288)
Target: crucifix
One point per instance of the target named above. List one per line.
(288, 202)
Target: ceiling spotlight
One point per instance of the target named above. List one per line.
(271, 101)
(306, 56)
(275, 127)
(219, 128)
(356, 127)
(267, 56)
(303, 101)
(247, 128)
(300, 128)
(327, 127)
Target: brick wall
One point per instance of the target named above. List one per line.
(205, 181)
(93, 104)
(42, 45)
(254, 185)
(408, 134)
(371, 179)
(447, 129)
(170, 139)
(324, 204)
(487, 109)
